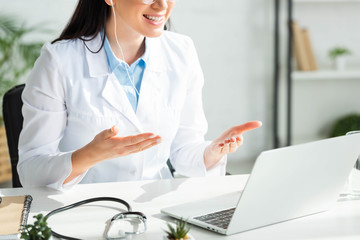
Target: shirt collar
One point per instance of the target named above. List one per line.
(97, 60)
(114, 62)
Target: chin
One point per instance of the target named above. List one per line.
(154, 34)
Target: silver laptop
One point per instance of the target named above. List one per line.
(285, 183)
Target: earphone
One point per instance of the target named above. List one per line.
(121, 51)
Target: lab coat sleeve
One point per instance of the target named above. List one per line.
(44, 110)
(187, 150)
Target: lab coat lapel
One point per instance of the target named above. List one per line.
(113, 92)
(96, 60)
(153, 80)
(149, 97)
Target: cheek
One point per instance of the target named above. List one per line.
(168, 13)
(130, 12)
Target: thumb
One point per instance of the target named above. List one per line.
(111, 132)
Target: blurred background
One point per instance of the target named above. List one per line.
(236, 46)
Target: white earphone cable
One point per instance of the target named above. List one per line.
(121, 51)
(127, 71)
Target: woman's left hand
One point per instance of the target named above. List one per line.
(228, 142)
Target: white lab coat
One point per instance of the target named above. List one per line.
(71, 96)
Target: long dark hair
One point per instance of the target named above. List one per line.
(88, 20)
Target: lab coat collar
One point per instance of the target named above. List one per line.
(97, 62)
(155, 55)
(96, 59)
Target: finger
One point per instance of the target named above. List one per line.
(233, 144)
(135, 139)
(239, 140)
(226, 147)
(238, 130)
(141, 146)
(220, 148)
(147, 147)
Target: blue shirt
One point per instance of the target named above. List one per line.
(136, 71)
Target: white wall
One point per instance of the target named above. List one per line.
(234, 43)
(49, 14)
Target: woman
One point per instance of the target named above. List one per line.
(114, 97)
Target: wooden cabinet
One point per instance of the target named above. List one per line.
(5, 166)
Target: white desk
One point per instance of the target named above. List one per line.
(342, 222)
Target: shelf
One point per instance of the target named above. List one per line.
(326, 1)
(325, 75)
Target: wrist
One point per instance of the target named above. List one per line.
(84, 158)
(211, 157)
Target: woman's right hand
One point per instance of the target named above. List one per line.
(107, 145)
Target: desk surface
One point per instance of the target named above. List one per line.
(341, 222)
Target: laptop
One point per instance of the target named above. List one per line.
(284, 184)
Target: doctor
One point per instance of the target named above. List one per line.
(114, 97)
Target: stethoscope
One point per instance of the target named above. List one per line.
(129, 215)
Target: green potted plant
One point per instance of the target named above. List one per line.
(17, 57)
(347, 123)
(180, 232)
(338, 56)
(37, 231)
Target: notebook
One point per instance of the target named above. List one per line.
(14, 211)
(284, 184)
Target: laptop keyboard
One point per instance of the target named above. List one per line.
(220, 219)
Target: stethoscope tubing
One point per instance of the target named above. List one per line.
(90, 200)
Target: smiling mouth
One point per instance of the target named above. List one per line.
(153, 18)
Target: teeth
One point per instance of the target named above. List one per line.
(153, 18)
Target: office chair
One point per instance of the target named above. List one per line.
(13, 120)
(170, 166)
